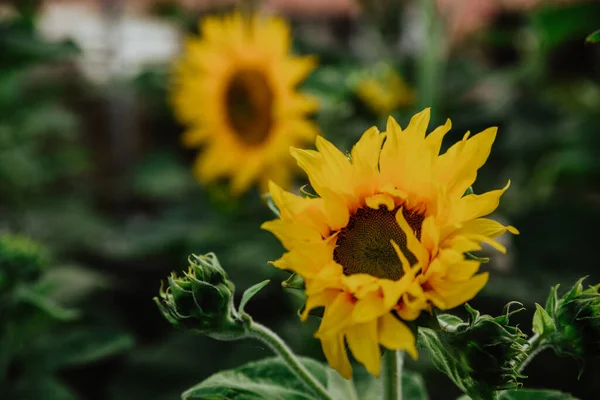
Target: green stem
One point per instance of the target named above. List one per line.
(393, 362)
(430, 60)
(270, 338)
(536, 344)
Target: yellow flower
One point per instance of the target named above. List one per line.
(387, 236)
(385, 93)
(235, 89)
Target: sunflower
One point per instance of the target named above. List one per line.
(386, 238)
(384, 91)
(235, 89)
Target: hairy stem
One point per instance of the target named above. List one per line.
(270, 338)
(393, 361)
(535, 346)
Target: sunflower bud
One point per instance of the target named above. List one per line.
(480, 355)
(492, 348)
(576, 317)
(202, 300)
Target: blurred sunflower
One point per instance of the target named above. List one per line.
(385, 92)
(387, 237)
(235, 89)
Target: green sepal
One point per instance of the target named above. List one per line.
(576, 317)
(250, 293)
(295, 281)
(306, 194)
(542, 322)
(271, 204)
(482, 260)
(593, 37)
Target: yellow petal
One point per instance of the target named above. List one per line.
(335, 352)
(363, 341)
(430, 236)
(369, 308)
(394, 335)
(462, 271)
(336, 209)
(380, 199)
(434, 139)
(322, 299)
(337, 316)
(412, 243)
(417, 127)
(455, 293)
(291, 235)
(295, 69)
(474, 206)
(365, 153)
(457, 168)
(289, 204)
(486, 227)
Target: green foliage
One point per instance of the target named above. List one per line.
(479, 356)
(554, 25)
(250, 293)
(576, 316)
(271, 379)
(542, 322)
(530, 394)
(265, 379)
(21, 260)
(593, 37)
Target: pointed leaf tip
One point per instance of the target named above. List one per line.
(250, 293)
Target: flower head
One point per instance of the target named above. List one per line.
(385, 91)
(235, 89)
(202, 300)
(386, 238)
(576, 317)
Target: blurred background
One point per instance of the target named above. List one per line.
(98, 202)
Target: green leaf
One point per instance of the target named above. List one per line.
(369, 387)
(340, 388)
(556, 25)
(542, 322)
(535, 395)
(47, 389)
(449, 321)
(527, 394)
(295, 281)
(413, 386)
(266, 379)
(251, 292)
(45, 304)
(83, 346)
(552, 301)
(593, 37)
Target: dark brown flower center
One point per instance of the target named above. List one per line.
(249, 103)
(363, 246)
